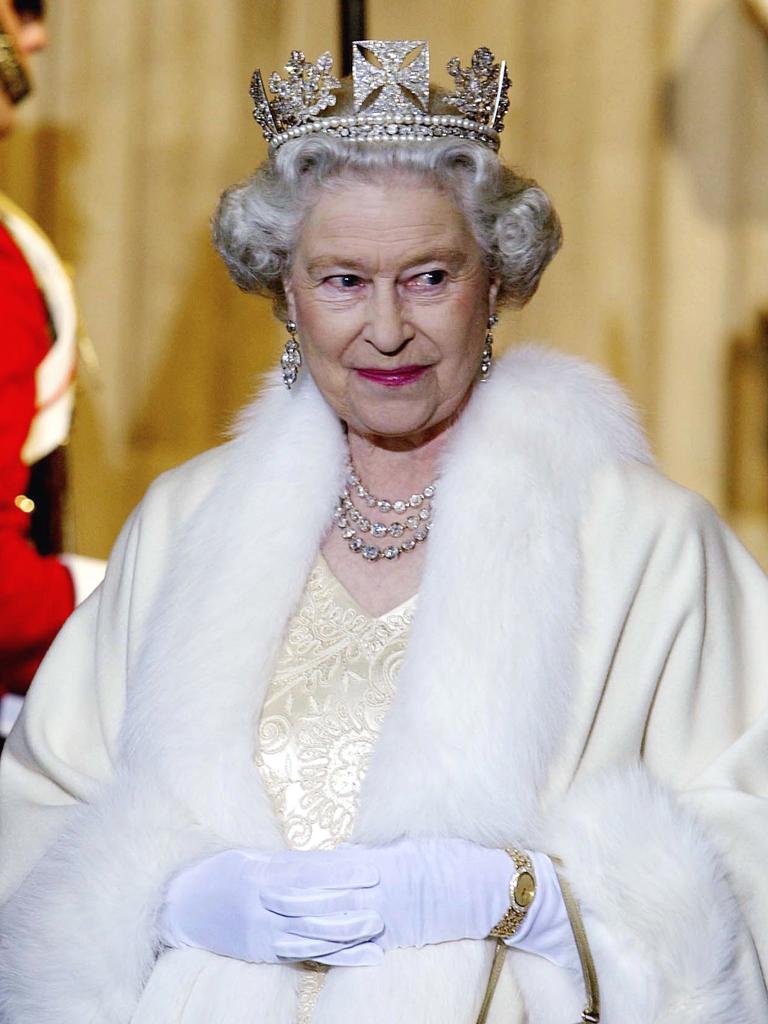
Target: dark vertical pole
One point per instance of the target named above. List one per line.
(352, 28)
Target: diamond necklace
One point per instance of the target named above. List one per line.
(352, 522)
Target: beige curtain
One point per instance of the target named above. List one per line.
(647, 122)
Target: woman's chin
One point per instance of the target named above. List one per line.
(412, 428)
(388, 425)
(412, 413)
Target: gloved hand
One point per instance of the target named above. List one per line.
(427, 891)
(215, 904)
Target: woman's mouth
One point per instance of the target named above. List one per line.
(394, 378)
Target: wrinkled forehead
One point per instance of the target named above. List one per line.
(385, 225)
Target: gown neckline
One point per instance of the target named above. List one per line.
(348, 599)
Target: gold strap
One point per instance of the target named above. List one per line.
(591, 1012)
(493, 980)
(516, 912)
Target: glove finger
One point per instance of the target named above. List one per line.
(325, 873)
(366, 954)
(311, 902)
(296, 947)
(353, 927)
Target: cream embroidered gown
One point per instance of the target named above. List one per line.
(321, 717)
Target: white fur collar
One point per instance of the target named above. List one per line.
(484, 690)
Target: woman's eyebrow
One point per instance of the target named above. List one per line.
(328, 261)
(454, 258)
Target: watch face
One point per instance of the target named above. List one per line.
(525, 889)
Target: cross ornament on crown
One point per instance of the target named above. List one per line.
(394, 73)
(390, 83)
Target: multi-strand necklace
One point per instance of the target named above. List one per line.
(359, 528)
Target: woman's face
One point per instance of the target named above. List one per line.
(391, 298)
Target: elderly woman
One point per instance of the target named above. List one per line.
(427, 665)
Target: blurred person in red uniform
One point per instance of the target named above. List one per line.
(39, 587)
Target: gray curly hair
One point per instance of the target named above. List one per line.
(258, 222)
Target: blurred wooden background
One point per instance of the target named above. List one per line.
(647, 122)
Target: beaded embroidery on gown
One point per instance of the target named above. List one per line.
(322, 713)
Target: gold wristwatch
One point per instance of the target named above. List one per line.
(522, 893)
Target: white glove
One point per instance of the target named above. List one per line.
(214, 904)
(428, 891)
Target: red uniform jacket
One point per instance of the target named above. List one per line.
(36, 593)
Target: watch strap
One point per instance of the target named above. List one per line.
(591, 1012)
(515, 914)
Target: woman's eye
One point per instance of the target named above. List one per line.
(431, 278)
(344, 281)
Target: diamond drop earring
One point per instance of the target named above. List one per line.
(486, 360)
(290, 361)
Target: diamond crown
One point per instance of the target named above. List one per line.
(390, 83)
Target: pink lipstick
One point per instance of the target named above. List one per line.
(394, 378)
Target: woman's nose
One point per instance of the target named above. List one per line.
(388, 329)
